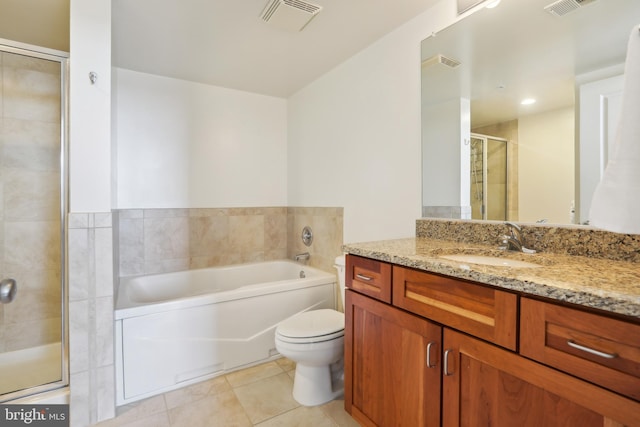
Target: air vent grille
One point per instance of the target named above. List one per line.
(307, 7)
(440, 59)
(292, 15)
(562, 7)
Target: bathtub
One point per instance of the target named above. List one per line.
(179, 328)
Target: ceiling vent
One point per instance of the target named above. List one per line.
(562, 7)
(291, 15)
(440, 59)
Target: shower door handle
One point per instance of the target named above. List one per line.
(8, 289)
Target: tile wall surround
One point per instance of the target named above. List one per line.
(91, 357)
(154, 241)
(568, 240)
(450, 212)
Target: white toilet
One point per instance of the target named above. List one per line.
(315, 341)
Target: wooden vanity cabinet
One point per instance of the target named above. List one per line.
(599, 349)
(484, 385)
(392, 365)
(445, 352)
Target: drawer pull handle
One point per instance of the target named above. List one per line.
(363, 277)
(577, 346)
(445, 368)
(429, 347)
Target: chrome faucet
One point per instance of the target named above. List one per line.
(303, 256)
(514, 241)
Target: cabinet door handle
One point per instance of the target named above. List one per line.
(429, 348)
(572, 343)
(363, 277)
(445, 368)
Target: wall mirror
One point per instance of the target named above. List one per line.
(488, 155)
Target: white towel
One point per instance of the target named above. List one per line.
(616, 201)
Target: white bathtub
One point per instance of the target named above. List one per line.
(179, 328)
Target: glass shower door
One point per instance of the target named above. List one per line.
(32, 183)
(488, 177)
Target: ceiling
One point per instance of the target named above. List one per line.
(519, 50)
(226, 43)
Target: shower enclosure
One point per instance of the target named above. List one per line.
(33, 349)
(488, 177)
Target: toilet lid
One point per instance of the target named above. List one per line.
(310, 324)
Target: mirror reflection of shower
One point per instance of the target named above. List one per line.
(488, 157)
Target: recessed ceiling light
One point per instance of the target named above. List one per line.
(528, 101)
(491, 4)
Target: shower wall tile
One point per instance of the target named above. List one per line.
(104, 261)
(32, 245)
(327, 226)
(79, 336)
(164, 240)
(31, 94)
(91, 317)
(79, 263)
(80, 409)
(131, 245)
(246, 233)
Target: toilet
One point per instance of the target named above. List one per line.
(315, 341)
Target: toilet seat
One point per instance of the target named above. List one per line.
(312, 326)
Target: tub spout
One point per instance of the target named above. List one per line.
(302, 257)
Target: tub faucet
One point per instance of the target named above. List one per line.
(302, 257)
(514, 241)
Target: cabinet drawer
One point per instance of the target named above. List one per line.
(487, 313)
(369, 277)
(599, 349)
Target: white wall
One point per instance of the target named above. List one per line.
(546, 168)
(186, 145)
(354, 134)
(90, 106)
(445, 142)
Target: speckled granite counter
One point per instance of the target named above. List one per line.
(603, 284)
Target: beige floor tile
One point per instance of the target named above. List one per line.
(335, 410)
(140, 410)
(300, 417)
(255, 373)
(220, 410)
(286, 364)
(195, 392)
(157, 420)
(267, 398)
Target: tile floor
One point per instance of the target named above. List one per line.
(256, 396)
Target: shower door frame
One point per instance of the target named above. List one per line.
(485, 178)
(10, 46)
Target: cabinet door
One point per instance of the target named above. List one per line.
(392, 365)
(484, 385)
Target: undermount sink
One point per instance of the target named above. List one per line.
(490, 260)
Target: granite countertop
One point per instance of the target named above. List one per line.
(603, 284)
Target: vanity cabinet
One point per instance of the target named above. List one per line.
(392, 365)
(484, 385)
(451, 352)
(599, 349)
